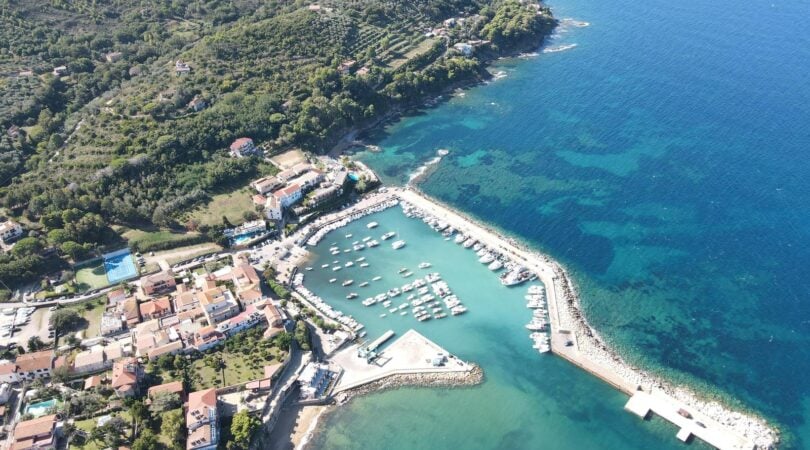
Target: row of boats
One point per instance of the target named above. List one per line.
(427, 297)
(326, 228)
(495, 261)
(334, 314)
(538, 326)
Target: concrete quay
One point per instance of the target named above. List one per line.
(573, 340)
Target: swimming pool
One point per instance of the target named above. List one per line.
(41, 408)
(119, 266)
(243, 238)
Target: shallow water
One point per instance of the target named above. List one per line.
(527, 398)
(663, 160)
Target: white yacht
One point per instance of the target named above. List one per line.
(424, 265)
(332, 280)
(351, 296)
(459, 238)
(348, 264)
(398, 244)
(348, 282)
(372, 225)
(486, 259)
(460, 309)
(495, 265)
(389, 235)
(364, 264)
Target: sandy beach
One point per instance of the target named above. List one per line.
(295, 426)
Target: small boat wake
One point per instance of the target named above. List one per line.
(559, 48)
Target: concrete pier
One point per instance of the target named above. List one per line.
(690, 422)
(570, 341)
(412, 353)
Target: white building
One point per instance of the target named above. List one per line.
(308, 180)
(9, 231)
(273, 209)
(289, 195)
(464, 48)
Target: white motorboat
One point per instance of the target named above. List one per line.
(398, 244)
(388, 235)
(424, 265)
(495, 265)
(372, 225)
(348, 282)
(486, 259)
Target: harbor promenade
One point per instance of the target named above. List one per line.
(576, 342)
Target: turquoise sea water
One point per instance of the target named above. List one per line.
(663, 160)
(527, 398)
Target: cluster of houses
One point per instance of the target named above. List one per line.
(164, 316)
(300, 183)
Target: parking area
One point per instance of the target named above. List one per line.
(18, 325)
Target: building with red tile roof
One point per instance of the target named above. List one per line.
(156, 308)
(35, 434)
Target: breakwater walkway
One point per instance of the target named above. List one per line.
(573, 339)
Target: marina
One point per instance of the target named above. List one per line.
(546, 304)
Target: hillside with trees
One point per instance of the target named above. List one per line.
(113, 138)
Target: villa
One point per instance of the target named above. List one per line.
(126, 375)
(218, 304)
(202, 420)
(243, 147)
(273, 209)
(246, 283)
(206, 338)
(155, 309)
(308, 179)
(158, 283)
(93, 360)
(288, 195)
(35, 365)
(35, 434)
(266, 184)
(250, 317)
(294, 171)
(9, 231)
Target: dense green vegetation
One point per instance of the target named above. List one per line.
(114, 141)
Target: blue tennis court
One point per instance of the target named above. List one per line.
(119, 266)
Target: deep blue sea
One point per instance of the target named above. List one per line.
(664, 161)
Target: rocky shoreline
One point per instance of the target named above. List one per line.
(590, 343)
(432, 379)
